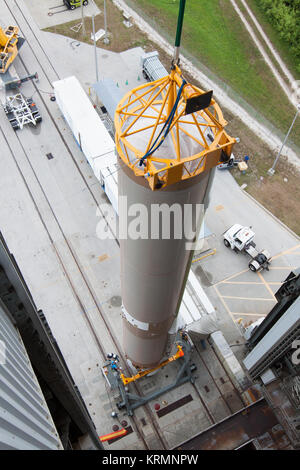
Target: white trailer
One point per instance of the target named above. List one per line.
(106, 171)
(89, 132)
(240, 239)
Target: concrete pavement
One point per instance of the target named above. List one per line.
(52, 12)
(226, 276)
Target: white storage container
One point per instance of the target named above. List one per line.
(86, 125)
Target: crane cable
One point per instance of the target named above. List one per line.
(166, 127)
(168, 122)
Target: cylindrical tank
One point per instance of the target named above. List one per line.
(176, 176)
(153, 270)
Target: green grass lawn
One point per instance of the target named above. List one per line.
(214, 35)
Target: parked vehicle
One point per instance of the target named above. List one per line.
(240, 239)
(10, 43)
(72, 4)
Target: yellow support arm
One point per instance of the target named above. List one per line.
(127, 380)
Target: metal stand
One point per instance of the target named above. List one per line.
(131, 401)
(21, 111)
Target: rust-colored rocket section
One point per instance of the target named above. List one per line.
(169, 136)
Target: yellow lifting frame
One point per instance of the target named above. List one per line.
(127, 380)
(159, 96)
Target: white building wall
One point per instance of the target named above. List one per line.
(25, 420)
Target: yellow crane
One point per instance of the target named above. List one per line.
(8, 46)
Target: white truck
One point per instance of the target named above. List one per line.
(240, 239)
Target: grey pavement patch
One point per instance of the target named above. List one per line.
(35, 129)
(96, 379)
(116, 301)
(204, 276)
(107, 407)
(40, 12)
(79, 61)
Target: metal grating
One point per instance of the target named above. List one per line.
(283, 347)
(25, 420)
(275, 343)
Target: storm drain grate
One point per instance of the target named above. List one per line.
(174, 406)
(49, 156)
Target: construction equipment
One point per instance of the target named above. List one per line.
(143, 373)
(228, 165)
(21, 111)
(118, 383)
(72, 4)
(10, 43)
(240, 239)
(16, 82)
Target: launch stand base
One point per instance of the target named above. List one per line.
(131, 401)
